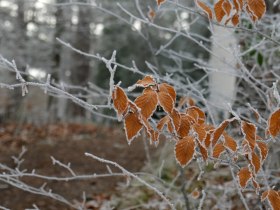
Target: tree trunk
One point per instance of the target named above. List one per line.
(222, 83)
(57, 106)
(80, 69)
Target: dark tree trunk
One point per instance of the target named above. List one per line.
(80, 69)
(57, 72)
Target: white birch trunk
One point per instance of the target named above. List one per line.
(222, 81)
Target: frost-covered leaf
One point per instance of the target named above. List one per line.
(235, 19)
(151, 14)
(238, 4)
(164, 87)
(230, 143)
(218, 150)
(222, 8)
(147, 102)
(244, 176)
(185, 124)
(250, 133)
(160, 2)
(205, 8)
(184, 150)
(203, 151)
(197, 114)
(217, 133)
(256, 9)
(263, 150)
(195, 194)
(200, 131)
(255, 162)
(132, 125)
(147, 81)
(165, 101)
(274, 123)
(273, 198)
(120, 101)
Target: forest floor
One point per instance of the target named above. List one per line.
(68, 144)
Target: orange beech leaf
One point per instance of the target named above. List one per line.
(190, 101)
(195, 194)
(249, 130)
(196, 113)
(205, 8)
(185, 100)
(246, 148)
(273, 198)
(153, 135)
(165, 101)
(120, 101)
(219, 131)
(151, 14)
(244, 176)
(164, 87)
(146, 82)
(175, 119)
(160, 2)
(264, 195)
(256, 185)
(235, 19)
(218, 150)
(227, 6)
(203, 151)
(132, 126)
(230, 143)
(162, 122)
(184, 150)
(185, 124)
(238, 4)
(255, 162)
(274, 123)
(147, 102)
(263, 150)
(256, 8)
(182, 102)
(219, 9)
(207, 140)
(200, 131)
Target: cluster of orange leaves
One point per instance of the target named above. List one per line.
(193, 136)
(227, 10)
(230, 10)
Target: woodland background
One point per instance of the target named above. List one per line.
(223, 69)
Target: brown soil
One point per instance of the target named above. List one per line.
(67, 143)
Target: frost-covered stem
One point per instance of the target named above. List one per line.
(202, 200)
(67, 167)
(129, 174)
(19, 160)
(112, 71)
(183, 190)
(3, 208)
(15, 182)
(238, 188)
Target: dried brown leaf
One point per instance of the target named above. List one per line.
(263, 150)
(132, 126)
(147, 102)
(256, 9)
(218, 150)
(120, 101)
(184, 150)
(249, 131)
(205, 8)
(244, 176)
(274, 123)
(230, 143)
